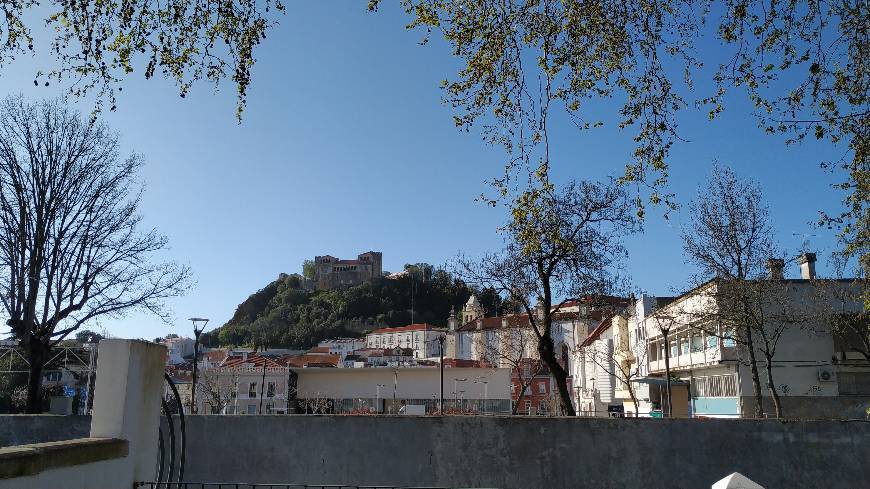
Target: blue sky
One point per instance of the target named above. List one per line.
(345, 147)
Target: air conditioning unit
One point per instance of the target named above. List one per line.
(826, 375)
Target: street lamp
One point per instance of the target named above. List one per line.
(378, 398)
(91, 346)
(455, 380)
(479, 380)
(198, 327)
(665, 331)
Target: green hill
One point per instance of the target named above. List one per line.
(285, 315)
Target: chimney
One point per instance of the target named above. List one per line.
(808, 265)
(775, 267)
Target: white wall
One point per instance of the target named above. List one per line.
(413, 383)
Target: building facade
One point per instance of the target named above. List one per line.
(421, 338)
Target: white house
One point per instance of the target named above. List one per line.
(421, 338)
(814, 373)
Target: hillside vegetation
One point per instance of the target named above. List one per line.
(285, 315)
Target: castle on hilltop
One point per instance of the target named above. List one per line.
(331, 272)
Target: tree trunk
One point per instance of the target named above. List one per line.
(756, 381)
(633, 397)
(548, 355)
(667, 413)
(37, 355)
(777, 403)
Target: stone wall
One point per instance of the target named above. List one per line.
(22, 429)
(525, 453)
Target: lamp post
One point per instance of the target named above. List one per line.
(480, 380)
(455, 381)
(91, 346)
(666, 330)
(198, 327)
(378, 398)
(441, 339)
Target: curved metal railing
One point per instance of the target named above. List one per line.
(171, 476)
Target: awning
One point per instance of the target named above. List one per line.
(659, 381)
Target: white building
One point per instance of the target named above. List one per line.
(343, 346)
(814, 372)
(178, 348)
(421, 338)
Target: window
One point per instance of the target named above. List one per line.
(697, 343)
(252, 389)
(684, 345)
(711, 342)
(854, 383)
(674, 350)
(252, 409)
(529, 407)
(542, 387)
(270, 390)
(715, 386)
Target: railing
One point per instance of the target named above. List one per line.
(245, 485)
(166, 474)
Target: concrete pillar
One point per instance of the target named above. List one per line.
(127, 399)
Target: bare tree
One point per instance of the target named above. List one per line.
(850, 325)
(559, 243)
(219, 387)
(70, 246)
(511, 347)
(729, 237)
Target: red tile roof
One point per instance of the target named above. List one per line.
(257, 361)
(461, 362)
(495, 322)
(307, 360)
(319, 349)
(216, 356)
(603, 326)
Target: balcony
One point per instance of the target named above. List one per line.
(704, 357)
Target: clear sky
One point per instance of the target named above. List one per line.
(345, 147)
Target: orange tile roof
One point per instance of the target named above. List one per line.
(603, 326)
(257, 361)
(308, 360)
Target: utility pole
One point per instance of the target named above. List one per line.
(395, 385)
(262, 384)
(441, 339)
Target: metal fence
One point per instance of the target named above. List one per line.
(243, 485)
(393, 406)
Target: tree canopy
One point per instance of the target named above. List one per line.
(802, 64)
(96, 45)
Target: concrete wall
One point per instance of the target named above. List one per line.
(23, 429)
(525, 453)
